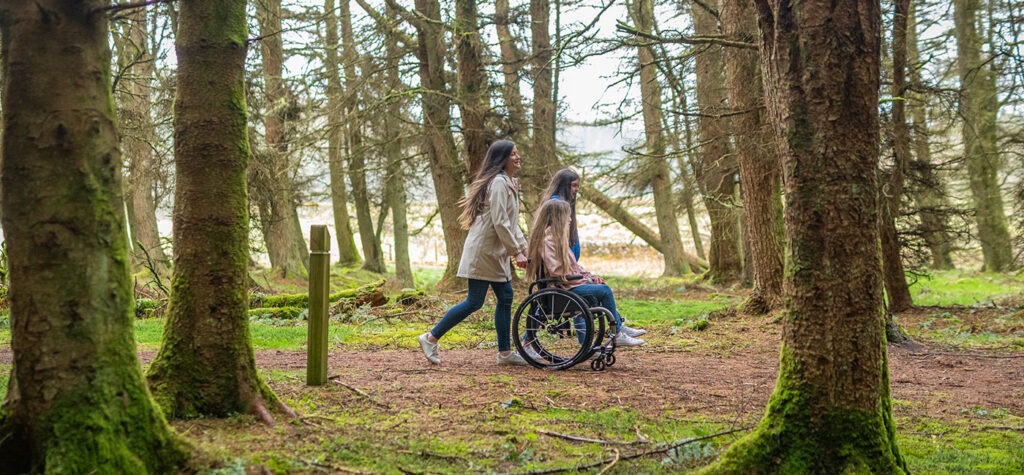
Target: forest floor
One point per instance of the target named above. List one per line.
(470, 415)
(957, 389)
(937, 381)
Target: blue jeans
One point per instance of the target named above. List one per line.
(474, 301)
(605, 298)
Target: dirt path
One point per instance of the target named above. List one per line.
(937, 382)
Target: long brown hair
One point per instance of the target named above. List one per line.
(561, 185)
(553, 217)
(493, 164)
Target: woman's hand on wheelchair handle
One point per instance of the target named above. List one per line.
(521, 260)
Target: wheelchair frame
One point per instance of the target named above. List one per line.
(550, 318)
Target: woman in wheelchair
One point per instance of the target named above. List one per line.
(550, 256)
(565, 186)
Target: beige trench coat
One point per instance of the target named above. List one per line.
(494, 236)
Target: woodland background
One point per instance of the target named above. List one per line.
(319, 96)
(788, 171)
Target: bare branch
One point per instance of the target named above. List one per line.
(714, 116)
(387, 25)
(688, 40)
(659, 450)
(118, 7)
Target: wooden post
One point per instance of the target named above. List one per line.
(319, 289)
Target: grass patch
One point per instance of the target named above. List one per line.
(5, 378)
(967, 327)
(509, 434)
(148, 333)
(5, 327)
(992, 443)
(644, 312)
(962, 288)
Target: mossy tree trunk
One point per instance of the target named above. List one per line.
(373, 253)
(516, 126)
(205, 365)
(656, 163)
(273, 171)
(682, 127)
(896, 288)
(449, 174)
(542, 161)
(831, 410)
(474, 101)
(393, 150)
(979, 107)
(511, 64)
(930, 192)
(716, 168)
(138, 133)
(757, 156)
(76, 400)
(348, 253)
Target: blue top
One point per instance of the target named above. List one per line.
(573, 246)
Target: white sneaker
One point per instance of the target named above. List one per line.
(528, 349)
(429, 349)
(633, 332)
(512, 358)
(623, 339)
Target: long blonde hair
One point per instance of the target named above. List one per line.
(493, 164)
(553, 216)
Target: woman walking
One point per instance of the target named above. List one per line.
(490, 210)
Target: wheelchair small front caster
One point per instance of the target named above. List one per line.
(609, 359)
(597, 364)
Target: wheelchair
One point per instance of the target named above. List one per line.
(555, 328)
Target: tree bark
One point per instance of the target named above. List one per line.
(2, 89)
(716, 171)
(76, 401)
(474, 102)
(979, 107)
(896, 288)
(656, 165)
(542, 161)
(683, 158)
(373, 254)
(930, 195)
(757, 156)
(396, 196)
(138, 136)
(831, 410)
(448, 173)
(205, 365)
(273, 186)
(511, 64)
(348, 253)
(515, 125)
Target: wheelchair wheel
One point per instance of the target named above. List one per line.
(554, 329)
(602, 322)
